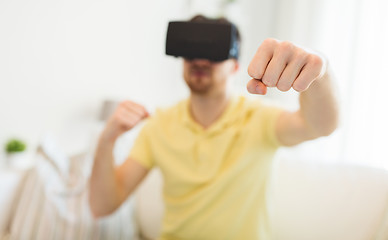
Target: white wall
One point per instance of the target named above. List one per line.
(60, 59)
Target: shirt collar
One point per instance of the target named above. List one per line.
(228, 116)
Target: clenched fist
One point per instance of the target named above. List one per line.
(127, 115)
(285, 66)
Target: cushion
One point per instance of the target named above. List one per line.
(54, 207)
(149, 205)
(11, 182)
(320, 201)
(307, 200)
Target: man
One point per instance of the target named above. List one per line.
(215, 150)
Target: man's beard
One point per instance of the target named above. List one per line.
(199, 84)
(200, 89)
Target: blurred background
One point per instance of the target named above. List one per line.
(60, 60)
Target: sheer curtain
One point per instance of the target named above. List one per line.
(367, 120)
(354, 36)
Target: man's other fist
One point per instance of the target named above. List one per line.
(127, 115)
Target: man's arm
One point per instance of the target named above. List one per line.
(285, 66)
(110, 186)
(316, 117)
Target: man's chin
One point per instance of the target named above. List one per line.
(200, 90)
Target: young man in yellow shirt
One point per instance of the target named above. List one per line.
(215, 150)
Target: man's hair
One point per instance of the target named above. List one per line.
(202, 18)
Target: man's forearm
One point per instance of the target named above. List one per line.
(104, 196)
(318, 106)
(110, 187)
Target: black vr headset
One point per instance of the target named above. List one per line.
(205, 40)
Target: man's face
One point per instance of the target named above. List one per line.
(205, 77)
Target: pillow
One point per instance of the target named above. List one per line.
(11, 182)
(322, 200)
(52, 207)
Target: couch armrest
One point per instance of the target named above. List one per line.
(382, 234)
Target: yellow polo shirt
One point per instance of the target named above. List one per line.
(214, 179)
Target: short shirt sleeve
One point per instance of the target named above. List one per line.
(141, 151)
(271, 117)
(267, 116)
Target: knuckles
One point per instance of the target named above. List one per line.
(124, 104)
(316, 61)
(286, 46)
(268, 42)
(301, 56)
(253, 71)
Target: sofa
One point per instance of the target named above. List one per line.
(307, 201)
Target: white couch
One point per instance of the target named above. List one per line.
(308, 201)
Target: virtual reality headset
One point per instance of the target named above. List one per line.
(202, 40)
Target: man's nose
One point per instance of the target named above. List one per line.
(201, 62)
